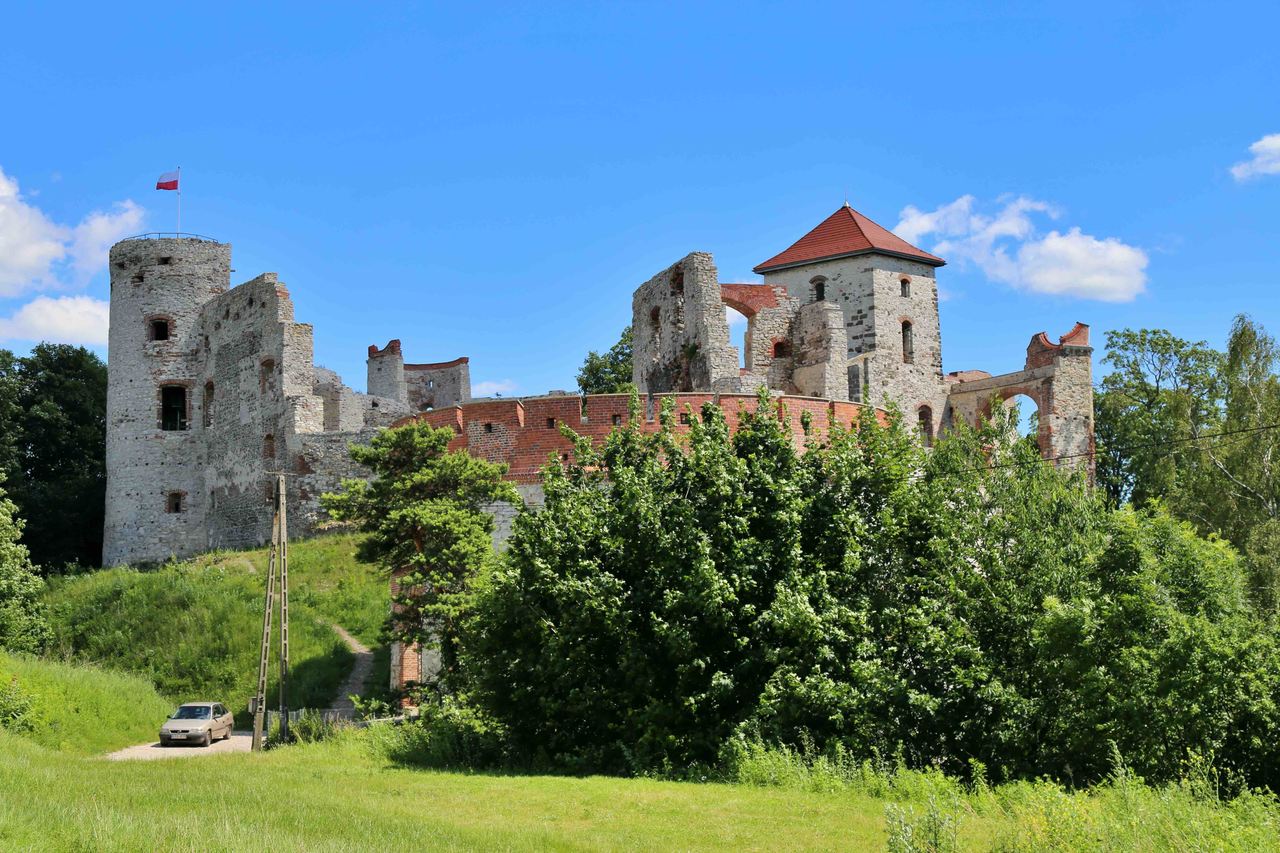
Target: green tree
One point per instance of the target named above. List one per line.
(424, 516)
(610, 372)
(56, 450)
(23, 626)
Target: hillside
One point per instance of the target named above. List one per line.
(77, 708)
(193, 629)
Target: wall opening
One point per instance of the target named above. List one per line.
(654, 317)
(158, 330)
(908, 343)
(819, 289)
(925, 425)
(738, 338)
(551, 423)
(269, 448)
(207, 414)
(782, 349)
(906, 287)
(1024, 417)
(173, 502)
(267, 376)
(173, 408)
(677, 280)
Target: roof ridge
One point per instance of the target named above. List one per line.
(837, 237)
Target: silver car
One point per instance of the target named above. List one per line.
(197, 722)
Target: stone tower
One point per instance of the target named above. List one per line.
(887, 291)
(155, 494)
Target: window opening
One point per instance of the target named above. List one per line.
(488, 427)
(551, 423)
(173, 408)
(617, 420)
(908, 344)
(165, 261)
(267, 376)
(159, 330)
(173, 502)
(819, 289)
(269, 448)
(781, 349)
(906, 287)
(926, 426)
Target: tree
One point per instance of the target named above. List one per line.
(426, 525)
(608, 373)
(53, 406)
(23, 627)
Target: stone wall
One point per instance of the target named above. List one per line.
(680, 333)
(445, 383)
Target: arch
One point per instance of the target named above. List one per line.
(781, 349)
(905, 284)
(908, 343)
(924, 423)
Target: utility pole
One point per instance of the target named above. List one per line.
(278, 560)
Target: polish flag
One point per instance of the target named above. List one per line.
(167, 181)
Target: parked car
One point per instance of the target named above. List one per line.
(197, 722)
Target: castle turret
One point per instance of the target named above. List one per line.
(386, 372)
(155, 503)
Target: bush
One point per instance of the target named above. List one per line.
(447, 735)
(23, 625)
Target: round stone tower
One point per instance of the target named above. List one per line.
(156, 504)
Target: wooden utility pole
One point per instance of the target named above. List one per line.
(277, 561)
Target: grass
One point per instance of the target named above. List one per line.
(344, 794)
(193, 628)
(82, 709)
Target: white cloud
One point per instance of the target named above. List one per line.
(64, 320)
(492, 387)
(1007, 247)
(37, 253)
(733, 318)
(98, 232)
(1266, 159)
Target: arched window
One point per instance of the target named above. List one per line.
(173, 408)
(781, 349)
(207, 419)
(908, 343)
(819, 289)
(267, 375)
(269, 448)
(926, 425)
(906, 287)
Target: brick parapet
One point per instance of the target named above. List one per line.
(525, 432)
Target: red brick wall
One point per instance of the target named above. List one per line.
(515, 431)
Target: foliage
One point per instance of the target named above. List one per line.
(23, 625)
(423, 513)
(193, 631)
(610, 372)
(77, 708)
(448, 734)
(969, 604)
(53, 411)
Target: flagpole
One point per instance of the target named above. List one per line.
(179, 199)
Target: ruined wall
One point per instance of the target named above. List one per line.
(386, 372)
(681, 336)
(819, 366)
(1058, 378)
(445, 383)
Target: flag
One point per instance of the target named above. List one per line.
(167, 181)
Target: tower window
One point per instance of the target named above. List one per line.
(654, 316)
(908, 344)
(269, 448)
(266, 377)
(906, 287)
(781, 349)
(158, 330)
(173, 408)
(551, 423)
(173, 502)
(165, 261)
(819, 289)
(926, 425)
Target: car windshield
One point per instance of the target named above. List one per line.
(191, 712)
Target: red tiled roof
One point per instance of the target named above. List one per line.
(843, 233)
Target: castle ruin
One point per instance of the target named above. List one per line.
(213, 389)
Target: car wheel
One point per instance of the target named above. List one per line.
(208, 738)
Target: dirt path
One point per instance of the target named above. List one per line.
(238, 742)
(359, 673)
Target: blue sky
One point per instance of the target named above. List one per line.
(494, 181)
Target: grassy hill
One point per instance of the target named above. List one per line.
(76, 707)
(193, 629)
